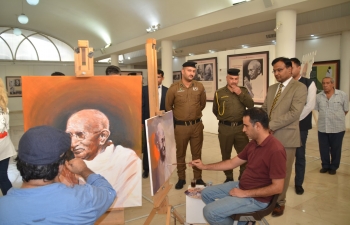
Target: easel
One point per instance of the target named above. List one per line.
(160, 199)
(84, 67)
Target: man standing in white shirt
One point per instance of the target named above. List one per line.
(305, 124)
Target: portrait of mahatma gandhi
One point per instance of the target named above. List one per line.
(102, 115)
(161, 149)
(253, 78)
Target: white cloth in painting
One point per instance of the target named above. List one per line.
(122, 169)
(6, 147)
(160, 174)
(258, 87)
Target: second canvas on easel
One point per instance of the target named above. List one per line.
(161, 149)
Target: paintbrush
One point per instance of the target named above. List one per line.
(177, 164)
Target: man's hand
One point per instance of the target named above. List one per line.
(79, 167)
(236, 89)
(236, 192)
(198, 163)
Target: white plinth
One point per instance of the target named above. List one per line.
(194, 209)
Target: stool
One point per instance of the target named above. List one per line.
(257, 215)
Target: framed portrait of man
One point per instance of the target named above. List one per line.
(253, 73)
(14, 86)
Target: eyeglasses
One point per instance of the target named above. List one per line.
(278, 70)
(81, 135)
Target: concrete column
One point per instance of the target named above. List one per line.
(114, 60)
(345, 67)
(286, 21)
(345, 62)
(167, 62)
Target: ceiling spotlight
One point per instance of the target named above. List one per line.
(32, 2)
(173, 57)
(129, 57)
(23, 19)
(153, 28)
(211, 51)
(312, 35)
(190, 53)
(17, 31)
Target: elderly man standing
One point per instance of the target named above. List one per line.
(284, 103)
(187, 99)
(332, 105)
(305, 124)
(42, 199)
(229, 104)
(89, 129)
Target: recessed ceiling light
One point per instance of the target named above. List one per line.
(128, 57)
(312, 35)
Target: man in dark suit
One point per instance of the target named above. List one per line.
(145, 115)
(284, 103)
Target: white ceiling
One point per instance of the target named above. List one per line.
(193, 25)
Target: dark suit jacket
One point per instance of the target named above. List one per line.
(286, 113)
(145, 102)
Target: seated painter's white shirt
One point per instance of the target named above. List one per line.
(122, 169)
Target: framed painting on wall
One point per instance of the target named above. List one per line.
(325, 69)
(176, 76)
(207, 74)
(14, 86)
(254, 73)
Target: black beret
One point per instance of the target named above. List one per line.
(189, 64)
(43, 145)
(233, 72)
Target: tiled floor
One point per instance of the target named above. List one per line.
(326, 199)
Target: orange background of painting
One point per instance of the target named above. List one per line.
(51, 100)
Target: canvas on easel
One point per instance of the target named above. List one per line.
(161, 149)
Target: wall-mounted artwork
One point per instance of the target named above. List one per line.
(325, 69)
(254, 73)
(14, 86)
(176, 76)
(161, 149)
(207, 74)
(103, 116)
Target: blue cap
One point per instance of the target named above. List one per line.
(43, 145)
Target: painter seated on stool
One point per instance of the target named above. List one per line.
(42, 198)
(262, 178)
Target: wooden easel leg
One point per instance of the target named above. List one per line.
(177, 215)
(150, 216)
(168, 215)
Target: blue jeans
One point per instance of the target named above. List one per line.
(330, 149)
(5, 183)
(219, 211)
(300, 161)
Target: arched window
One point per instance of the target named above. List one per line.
(30, 45)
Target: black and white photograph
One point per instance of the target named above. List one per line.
(207, 74)
(253, 73)
(14, 86)
(176, 76)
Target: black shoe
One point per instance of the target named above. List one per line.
(228, 180)
(145, 174)
(332, 172)
(200, 182)
(324, 170)
(180, 184)
(299, 189)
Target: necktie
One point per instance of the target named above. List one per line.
(276, 98)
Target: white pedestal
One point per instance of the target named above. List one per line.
(194, 209)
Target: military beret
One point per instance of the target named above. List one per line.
(189, 64)
(233, 72)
